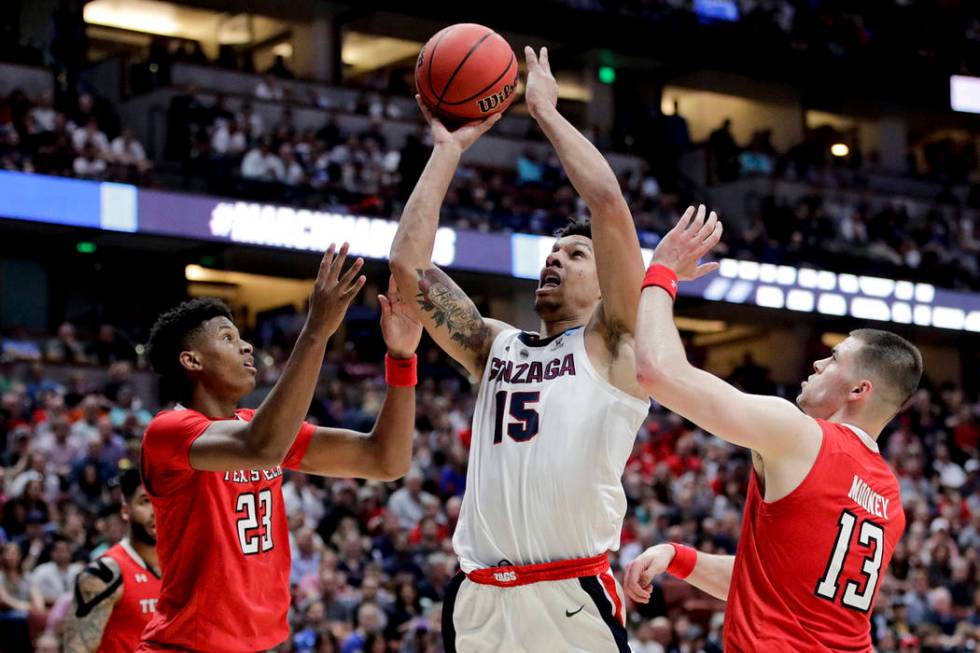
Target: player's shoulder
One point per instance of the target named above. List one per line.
(175, 419)
(101, 577)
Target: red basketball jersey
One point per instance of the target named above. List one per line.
(141, 589)
(808, 566)
(222, 540)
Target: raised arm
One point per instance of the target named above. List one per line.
(711, 573)
(619, 261)
(448, 315)
(771, 426)
(266, 439)
(386, 452)
(98, 588)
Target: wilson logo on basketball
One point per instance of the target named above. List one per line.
(491, 102)
(421, 59)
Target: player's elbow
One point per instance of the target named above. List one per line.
(649, 373)
(401, 264)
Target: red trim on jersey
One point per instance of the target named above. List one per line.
(610, 584)
(513, 576)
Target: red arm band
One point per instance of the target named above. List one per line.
(685, 558)
(401, 372)
(662, 277)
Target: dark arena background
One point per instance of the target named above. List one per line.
(153, 151)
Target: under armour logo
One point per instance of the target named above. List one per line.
(673, 284)
(142, 578)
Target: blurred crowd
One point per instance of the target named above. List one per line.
(77, 136)
(945, 34)
(371, 560)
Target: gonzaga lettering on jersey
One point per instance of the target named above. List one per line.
(550, 442)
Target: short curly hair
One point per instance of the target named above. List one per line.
(171, 334)
(575, 227)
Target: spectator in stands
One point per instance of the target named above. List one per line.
(251, 123)
(127, 151)
(90, 164)
(269, 89)
(20, 601)
(724, 151)
(90, 135)
(279, 68)
(111, 346)
(65, 347)
(293, 173)
(56, 577)
(228, 140)
(407, 502)
(44, 111)
(13, 156)
(262, 165)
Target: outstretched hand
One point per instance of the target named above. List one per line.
(400, 329)
(333, 292)
(462, 137)
(541, 91)
(690, 239)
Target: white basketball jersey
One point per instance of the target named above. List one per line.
(550, 443)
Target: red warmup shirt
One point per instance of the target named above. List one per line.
(809, 565)
(222, 540)
(141, 588)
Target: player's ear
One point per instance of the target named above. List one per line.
(861, 389)
(190, 360)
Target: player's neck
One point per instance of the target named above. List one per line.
(206, 403)
(867, 424)
(552, 328)
(147, 552)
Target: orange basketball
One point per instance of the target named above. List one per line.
(466, 72)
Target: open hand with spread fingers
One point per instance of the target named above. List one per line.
(690, 239)
(333, 291)
(399, 327)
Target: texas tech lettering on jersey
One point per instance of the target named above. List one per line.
(253, 475)
(532, 372)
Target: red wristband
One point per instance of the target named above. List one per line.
(401, 372)
(661, 276)
(685, 558)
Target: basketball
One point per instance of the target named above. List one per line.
(466, 72)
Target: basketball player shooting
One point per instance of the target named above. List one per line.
(557, 410)
(823, 512)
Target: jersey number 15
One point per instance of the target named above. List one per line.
(870, 535)
(522, 424)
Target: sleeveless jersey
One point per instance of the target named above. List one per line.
(141, 588)
(550, 442)
(223, 543)
(809, 565)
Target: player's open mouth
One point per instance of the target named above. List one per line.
(250, 365)
(549, 281)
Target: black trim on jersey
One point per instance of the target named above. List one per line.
(867, 577)
(448, 605)
(534, 340)
(830, 560)
(606, 610)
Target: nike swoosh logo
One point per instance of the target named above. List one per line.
(569, 613)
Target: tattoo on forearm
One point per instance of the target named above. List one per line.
(97, 589)
(449, 306)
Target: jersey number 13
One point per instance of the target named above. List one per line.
(870, 536)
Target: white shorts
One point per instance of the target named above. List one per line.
(482, 614)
